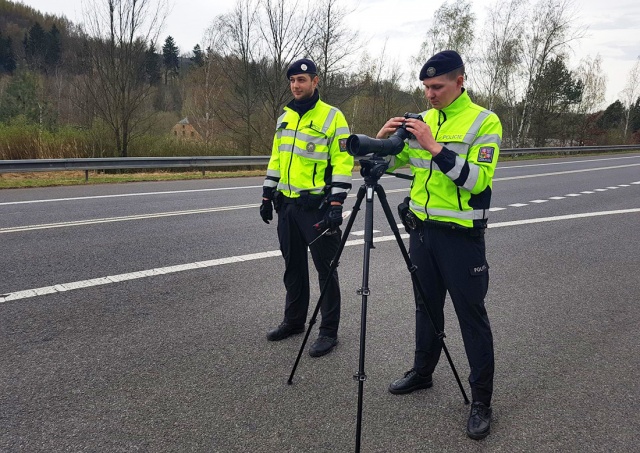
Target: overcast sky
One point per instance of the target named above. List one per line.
(613, 27)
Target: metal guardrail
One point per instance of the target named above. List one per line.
(202, 162)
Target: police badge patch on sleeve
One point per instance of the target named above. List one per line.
(343, 144)
(485, 154)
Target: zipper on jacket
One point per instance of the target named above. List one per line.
(315, 169)
(293, 147)
(426, 183)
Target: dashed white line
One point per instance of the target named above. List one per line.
(557, 198)
(518, 205)
(572, 195)
(538, 201)
(28, 293)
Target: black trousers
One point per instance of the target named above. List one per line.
(295, 232)
(454, 261)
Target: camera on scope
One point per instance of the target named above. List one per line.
(359, 145)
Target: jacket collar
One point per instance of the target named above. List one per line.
(302, 107)
(458, 105)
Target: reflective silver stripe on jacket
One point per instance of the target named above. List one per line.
(342, 131)
(329, 120)
(476, 214)
(313, 190)
(286, 148)
(305, 137)
(470, 136)
(269, 183)
(424, 163)
(346, 179)
(489, 138)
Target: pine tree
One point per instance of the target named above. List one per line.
(35, 46)
(7, 57)
(53, 47)
(152, 65)
(170, 59)
(198, 56)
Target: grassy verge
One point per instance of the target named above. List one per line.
(71, 178)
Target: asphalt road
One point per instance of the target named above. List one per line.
(133, 318)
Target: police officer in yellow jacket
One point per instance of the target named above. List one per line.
(308, 178)
(453, 158)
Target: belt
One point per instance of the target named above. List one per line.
(416, 223)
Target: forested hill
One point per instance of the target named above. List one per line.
(17, 18)
(114, 85)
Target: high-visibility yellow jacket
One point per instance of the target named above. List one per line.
(309, 153)
(455, 185)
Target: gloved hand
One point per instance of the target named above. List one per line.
(266, 210)
(333, 217)
(403, 210)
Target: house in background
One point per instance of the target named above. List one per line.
(184, 130)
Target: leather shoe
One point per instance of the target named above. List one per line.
(284, 330)
(410, 382)
(479, 423)
(323, 345)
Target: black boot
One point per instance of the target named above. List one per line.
(479, 423)
(410, 382)
(284, 330)
(323, 345)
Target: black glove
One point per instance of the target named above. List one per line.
(333, 217)
(266, 211)
(403, 210)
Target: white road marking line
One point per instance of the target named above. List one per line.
(518, 205)
(538, 201)
(572, 195)
(588, 191)
(557, 198)
(613, 188)
(123, 218)
(509, 178)
(600, 190)
(28, 293)
(496, 209)
(140, 194)
(361, 233)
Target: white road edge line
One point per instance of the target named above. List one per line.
(28, 293)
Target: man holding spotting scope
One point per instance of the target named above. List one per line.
(453, 153)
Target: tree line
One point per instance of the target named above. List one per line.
(111, 86)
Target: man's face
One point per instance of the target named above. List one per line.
(442, 90)
(302, 86)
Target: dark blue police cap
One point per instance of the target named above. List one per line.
(304, 66)
(441, 63)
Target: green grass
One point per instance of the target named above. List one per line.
(71, 178)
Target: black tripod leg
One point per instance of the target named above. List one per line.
(412, 270)
(334, 265)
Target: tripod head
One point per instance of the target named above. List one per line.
(373, 168)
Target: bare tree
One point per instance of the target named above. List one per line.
(286, 27)
(630, 93)
(117, 88)
(204, 87)
(333, 45)
(453, 29)
(238, 57)
(594, 86)
(500, 51)
(549, 33)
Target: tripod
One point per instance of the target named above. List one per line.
(372, 169)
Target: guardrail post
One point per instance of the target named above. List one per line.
(86, 176)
